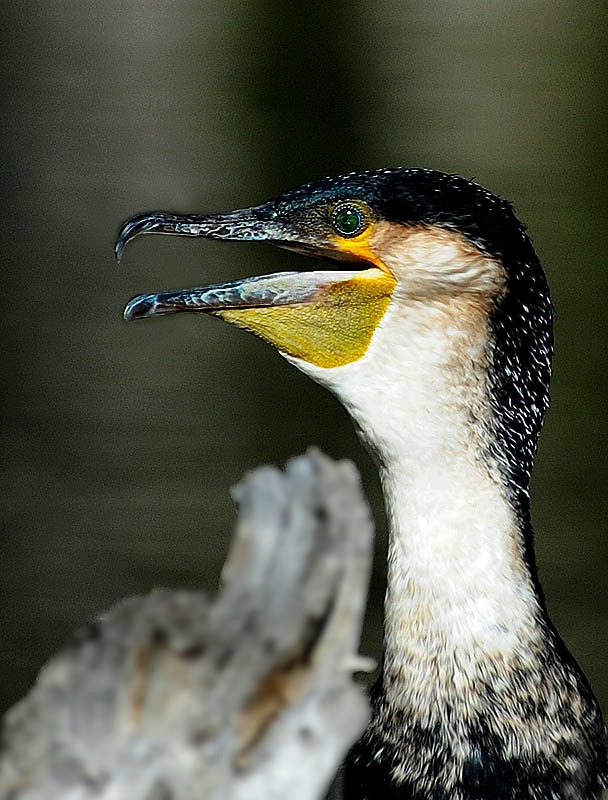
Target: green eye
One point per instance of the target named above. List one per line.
(347, 219)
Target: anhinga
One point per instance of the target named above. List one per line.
(433, 326)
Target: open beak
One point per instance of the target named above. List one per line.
(325, 317)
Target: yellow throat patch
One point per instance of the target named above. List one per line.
(332, 328)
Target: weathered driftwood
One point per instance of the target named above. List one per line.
(250, 696)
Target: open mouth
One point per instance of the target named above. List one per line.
(253, 224)
(326, 317)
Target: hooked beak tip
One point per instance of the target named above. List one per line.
(134, 226)
(119, 249)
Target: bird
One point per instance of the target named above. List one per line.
(432, 323)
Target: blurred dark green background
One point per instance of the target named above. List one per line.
(120, 441)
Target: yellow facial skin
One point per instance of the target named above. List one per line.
(335, 326)
(332, 329)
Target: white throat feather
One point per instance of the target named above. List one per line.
(457, 577)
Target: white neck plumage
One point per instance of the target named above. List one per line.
(458, 585)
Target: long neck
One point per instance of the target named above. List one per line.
(458, 584)
(458, 580)
(478, 697)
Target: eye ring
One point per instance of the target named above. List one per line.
(348, 219)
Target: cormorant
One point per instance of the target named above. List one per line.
(434, 329)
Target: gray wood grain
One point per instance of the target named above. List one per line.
(248, 696)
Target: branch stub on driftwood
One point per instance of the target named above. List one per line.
(249, 696)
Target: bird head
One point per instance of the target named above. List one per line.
(422, 265)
